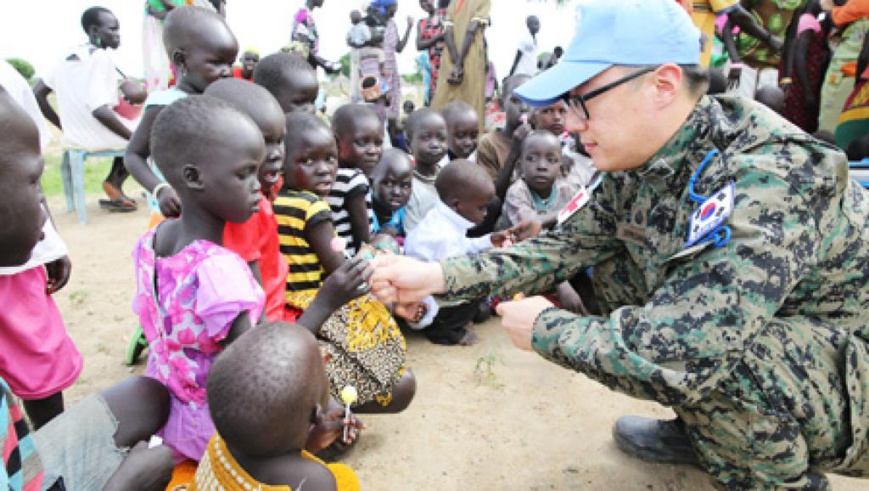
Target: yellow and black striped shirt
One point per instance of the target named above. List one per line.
(296, 212)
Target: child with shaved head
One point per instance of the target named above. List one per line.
(269, 397)
(256, 240)
(465, 191)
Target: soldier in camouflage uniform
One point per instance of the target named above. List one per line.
(755, 333)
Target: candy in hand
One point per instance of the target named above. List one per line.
(349, 395)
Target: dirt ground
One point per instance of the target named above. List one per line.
(488, 417)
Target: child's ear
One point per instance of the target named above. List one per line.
(179, 59)
(192, 177)
(454, 204)
(317, 415)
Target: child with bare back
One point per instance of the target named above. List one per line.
(269, 399)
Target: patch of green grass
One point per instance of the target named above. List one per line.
(78, 297)
(484, 370)
(95, 170)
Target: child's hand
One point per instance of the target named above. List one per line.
(58, 274)
(143, 469)
(501, 238)
(133, 91)
(347, 282)
(522, 131)
(329, 428)
(457, 75)
(170, 204)
(525, 229)
(412, 311)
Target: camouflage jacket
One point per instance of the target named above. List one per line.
(678, 321)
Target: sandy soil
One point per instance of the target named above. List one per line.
(487, 417)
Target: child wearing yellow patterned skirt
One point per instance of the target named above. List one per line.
(269, 399)
(361, 343)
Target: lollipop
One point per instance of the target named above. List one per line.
(348, 396)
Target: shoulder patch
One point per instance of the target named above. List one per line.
(576, 203)
(710, 215)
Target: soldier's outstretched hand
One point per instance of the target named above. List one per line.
(401, 279)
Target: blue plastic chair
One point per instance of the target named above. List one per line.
(72, 175)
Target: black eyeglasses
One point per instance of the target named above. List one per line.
(577, 102)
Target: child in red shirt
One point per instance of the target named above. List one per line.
(256, 240)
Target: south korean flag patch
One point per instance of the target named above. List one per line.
(707, 218)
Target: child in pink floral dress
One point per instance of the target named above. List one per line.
(193, 296)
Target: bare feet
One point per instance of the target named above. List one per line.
(469, 339)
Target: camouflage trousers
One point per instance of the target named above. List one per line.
(789, 412)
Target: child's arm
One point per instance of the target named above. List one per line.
(458, 74)
(358, 213)
(799, 61)
(240, 325)
(515, 62)
(505, 175)
(340, 287)
(421, 43)
(135, 159)
(41, 92)
(450, 40)
(319, 236)
(746, 22)
(403, 41)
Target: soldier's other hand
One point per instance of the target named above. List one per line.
(518, 316)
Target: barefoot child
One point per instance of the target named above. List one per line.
(463, 130)
(266, 393)
(202, 49)
(290, 79)
(540, 194)
(427, 132)
(362, 345)
(391, 188)
(359, 138)
(464, 193)
(256, 240)
(193, 297)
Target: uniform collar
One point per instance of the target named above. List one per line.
(664, 171)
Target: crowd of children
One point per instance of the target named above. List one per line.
(251, 280)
